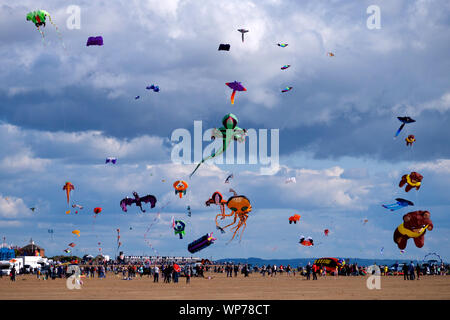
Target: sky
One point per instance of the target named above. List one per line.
(66, 107)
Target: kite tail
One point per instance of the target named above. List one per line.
(57, 31)
(42, 34)
(232, 96)
(399, 129)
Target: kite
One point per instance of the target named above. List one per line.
(111, 159)
(77, 206)
(236, 86)
(283, 45)
(68, 211)
(285, 66)
(242, 31)
(224, 47)
(415, 225)
(94, 41)
(138, 201)
(97, 210)
(68, 187)
(306, 242)
(77, 232)
(32, 209)
(382, 250)
(401, 203)
(178, 227)
(118, 238)
(326, 232)
(201, 243)
(240, 208)
(403, 120)
(330, 54)
(38, 17)
(294, 218)
(287, 89)
(71, 244)
(291, 180)
(410, 140)
(228, 133)
(137, 97)
(51, 233)
(180, 187)
(67, 251)
(189, 211)
(365, 221)
(412, 180)
(153, 87)
(218, 199)
(432, 254)
(227, 180)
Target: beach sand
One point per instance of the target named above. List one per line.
(219, 287)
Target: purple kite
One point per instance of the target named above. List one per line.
(236, 86)
(138, 201)
(201, 243)
(94, 41)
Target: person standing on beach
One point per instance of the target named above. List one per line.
(411, 271)
(315, 269)
(13, 274)
(405, 272)
(308, 271)
(236, 270)
(156, 274)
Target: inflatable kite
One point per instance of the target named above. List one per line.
(236, 86)
(77, 232)
(77, 206)
(97, 210)
(283, 45)
(153, 87)
(404, 121)
(68, 187)
(178, 227)
(287, 89)
(329, 264)
(138, 201)
(180, 187)
(112, 160)
(294, 218)
(38, 17)
(218, 199)
(401, 203)
(224, 47)
(410, 140)
(228, 133)
(240, 208)
(201, 243)
(306, 242)
(412, 180)
(242, 31)
(415, 224)
(285, 66)
(94, 41)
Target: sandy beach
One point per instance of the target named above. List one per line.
(219, 287)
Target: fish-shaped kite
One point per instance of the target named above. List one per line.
(242, 31)
(138, 201)
(68, 187)
(236, 86)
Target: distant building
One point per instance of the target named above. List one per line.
(32, 249)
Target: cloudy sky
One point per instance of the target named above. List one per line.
(65, 107)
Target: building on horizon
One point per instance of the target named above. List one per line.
(32, 249)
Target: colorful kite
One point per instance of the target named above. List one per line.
(77, 206)
(401, 203)
(412, 180)
(285, 66)
(97, 210)
(178, 227)
(236, 86)
(330, 54)
(227, 180)
(138, 201)
(415, 224)
(68, 211)
(306, 242)
(68, 187)
(180, 187)
(410, 140)
(201, 243)
(38, 17)
(294, 218)
(228, 133)
(404, 121)
(72, 244)
(326, 232)
(111, 159)
(67, 251)
(283, 45)
(242, 31)
(287, 89)
(218, 199)
(240, 208)
(77, 232)
(94, 41)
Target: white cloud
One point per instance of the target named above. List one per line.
(12, 207)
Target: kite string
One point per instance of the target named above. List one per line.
(57, 31)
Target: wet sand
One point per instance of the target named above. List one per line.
(219, 287)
